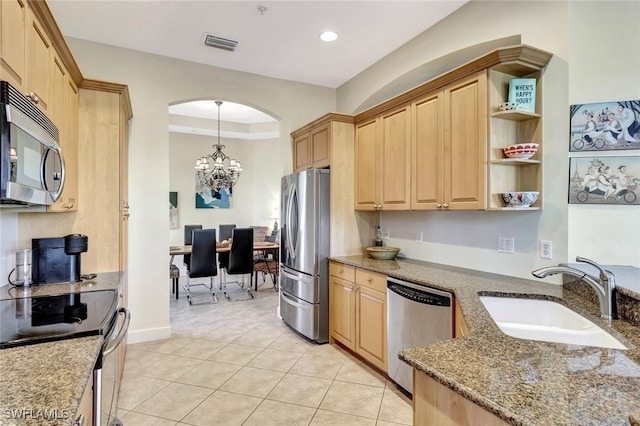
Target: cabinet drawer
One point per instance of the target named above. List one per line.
(371, 280)
(343, 271)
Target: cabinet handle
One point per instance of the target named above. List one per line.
(34, 98)
(369, 279)
(445, 206)
(80, 420)
(350, 289)
(125, 214)
(68, 206)
(439, 205)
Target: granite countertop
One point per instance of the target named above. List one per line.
(48, 379)
(43, 383)
(524, 382)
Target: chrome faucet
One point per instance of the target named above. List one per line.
(604, 286)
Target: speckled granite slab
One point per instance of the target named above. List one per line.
(42, 384)
(523, 382)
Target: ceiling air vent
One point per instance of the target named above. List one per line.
(220, 43)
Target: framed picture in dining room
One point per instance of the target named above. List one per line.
(207, 198)
(604, 180)
(605, 126)
(173, 210)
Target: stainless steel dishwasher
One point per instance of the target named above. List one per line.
(416, 316)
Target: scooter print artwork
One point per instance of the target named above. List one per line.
(604, 180)
(605, 126)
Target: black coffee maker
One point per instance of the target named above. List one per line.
(57, 260)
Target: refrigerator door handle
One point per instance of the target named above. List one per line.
(291, 230)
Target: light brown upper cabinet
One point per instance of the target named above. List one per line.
(449, 145)
(38, 63)
(382, 161)
(451, 156)
(312, 149)
(13, 30)
(319, 143)
(509, 128)
(63, 112)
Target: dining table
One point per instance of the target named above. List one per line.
(223, 247)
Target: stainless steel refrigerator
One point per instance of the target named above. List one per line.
(304, 253)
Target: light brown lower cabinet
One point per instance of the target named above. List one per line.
(358, 312)
(460, 326)
(84, 415)
(436, 404)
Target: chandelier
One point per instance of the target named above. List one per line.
(217, 170)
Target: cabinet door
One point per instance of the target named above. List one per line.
(59, 115)
(302, 152)
(100, 216)
(465, 130)
(38, 70)
(366, 165)
(71, 147)
(13, 24)
(321, 146)
(124, 192)
(371, 323)
(395, 159)
(342, 311)
(460, 325)
(427, 169)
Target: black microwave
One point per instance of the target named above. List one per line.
(31, 163)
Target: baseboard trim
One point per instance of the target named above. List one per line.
(148, 335)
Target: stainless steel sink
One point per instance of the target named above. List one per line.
(546, 321)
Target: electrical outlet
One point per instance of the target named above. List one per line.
(546, 249)
(419, 236)
(386, 234)
(506, 244)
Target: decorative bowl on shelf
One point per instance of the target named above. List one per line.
(508, 106)
(520, 150)
(519, 199)
(382, 253)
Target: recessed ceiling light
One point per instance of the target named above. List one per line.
(328, 36)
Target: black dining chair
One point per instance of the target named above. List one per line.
(188, 238)
(240, 259)
(224, 233)
(202, 262)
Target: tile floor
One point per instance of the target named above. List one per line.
(238, 364)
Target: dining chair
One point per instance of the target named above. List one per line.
(188, 238)
(202, 262)
(224, 233)
(240, 259)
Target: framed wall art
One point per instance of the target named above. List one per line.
(173, 210)
(604, 180)
(605, 126)
(207, 198)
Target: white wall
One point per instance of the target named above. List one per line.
(602, 37)
(154, 83)
(8, 243)
(470, 239)
(255, 196)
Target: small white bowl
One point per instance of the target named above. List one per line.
(519, 199)
(508, 106)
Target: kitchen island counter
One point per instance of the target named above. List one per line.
(523, 382)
